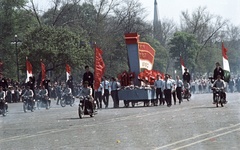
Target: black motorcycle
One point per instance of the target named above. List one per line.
(3, 108)
(218, 96)
(28, 104)
(85, 108)
(43, 102)
(186, 94)
(66, 99)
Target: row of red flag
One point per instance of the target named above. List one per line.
(99, 69)
(43, 70)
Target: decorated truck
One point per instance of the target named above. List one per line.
(137, 83)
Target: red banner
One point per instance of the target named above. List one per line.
(99, 68)
(146, 55)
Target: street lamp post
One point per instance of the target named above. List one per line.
(16, 42)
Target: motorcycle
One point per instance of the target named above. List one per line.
(186, 94)
(218, 96)
(66, 100)
(3, 108)
(43, 102)
(84, 107)
(28, 104)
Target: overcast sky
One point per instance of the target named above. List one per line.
(171, 9)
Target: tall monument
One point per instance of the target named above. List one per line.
(157, 33)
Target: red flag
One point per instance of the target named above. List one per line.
(29, 69)
(43, 71)
(68, 71)
(226, 66)
(99, 68)
(224, 52)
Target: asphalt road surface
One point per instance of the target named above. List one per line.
(193, 125)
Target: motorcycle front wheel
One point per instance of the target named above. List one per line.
(4, 111)
(39, 104)
(25, 107)
(80, 112)
(63, 102)
(72, 102)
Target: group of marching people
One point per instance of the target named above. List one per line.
(167, 89)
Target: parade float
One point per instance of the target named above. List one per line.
(137, 83)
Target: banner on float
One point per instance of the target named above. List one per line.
(146, 56)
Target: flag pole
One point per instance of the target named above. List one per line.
(95, 63)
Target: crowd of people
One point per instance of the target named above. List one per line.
(166, 88)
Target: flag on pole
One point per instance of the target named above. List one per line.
(182, 64)
(29, 69)
(68, 72)
(43, 69)
(99, 67)
(226, 67)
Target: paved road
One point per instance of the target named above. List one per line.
(193, 125)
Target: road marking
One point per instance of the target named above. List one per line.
(203, 140)
(46, 132)
(200, 135)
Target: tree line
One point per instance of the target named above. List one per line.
(67, 31)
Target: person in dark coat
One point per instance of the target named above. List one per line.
(186, 76)
(45, 83)
(31, 84)
(70, 84)
(3, 83)
(218, 71)
(88, 76)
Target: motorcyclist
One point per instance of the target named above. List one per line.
(68, 91)
(219, 83)
(2, 97)
(29, 93)
(43, 93)
(87, 91)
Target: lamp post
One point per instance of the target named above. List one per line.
(16, 42)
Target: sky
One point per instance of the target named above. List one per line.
(171, 9)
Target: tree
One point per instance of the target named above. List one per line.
(185, 45)
(14, 20)
(55, 46)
